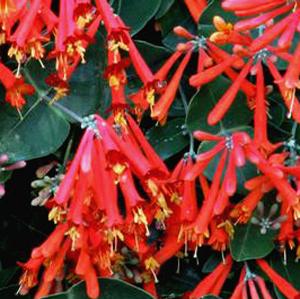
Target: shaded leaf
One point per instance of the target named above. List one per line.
(290, 271)
(204, 101)
(41, 131)
(169, 139)
(164, 7)
(6, 275)
(110, 289)
(10, 293)
(177, 15)
(248, 243)
(136, 13)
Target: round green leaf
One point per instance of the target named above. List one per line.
(40, 132)
(136, 13)
(248, 243)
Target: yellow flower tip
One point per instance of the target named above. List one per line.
(56, 215)
(74, 235)
(152, 265)
(221, 24)
(119, 168)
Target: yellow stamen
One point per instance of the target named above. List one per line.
(152, 265)
(74, 236)
(140, 218)
(57, 215)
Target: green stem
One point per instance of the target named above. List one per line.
(185, 105)
(64, 109)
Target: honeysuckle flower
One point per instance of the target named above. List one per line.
(10, 12)
(225, 33)
(15, 87)
(28, 38)
(59, 80)
(162, 106)
(262, 13)
(84, 13)
(283, 285)
(213, 283)
(71, 40)
(196, 7)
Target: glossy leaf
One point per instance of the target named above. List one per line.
(138, 17)
(290, 271)
(169, 139)
(248, 243)
(110, 289)
(164, 7)
(176, 15)
(206, 98)
(41, 132)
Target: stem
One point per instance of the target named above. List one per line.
(67, 153)
(294, 130)
(185, 105)
(64, 109)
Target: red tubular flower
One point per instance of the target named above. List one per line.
(201, 223)
(288, 95)
(164, 103)
(15, 87)
(242, 212)
(284, 286)
(261, 19)
(211, 73)
(29, 37)
(227, 99)
(213, 283)
(196, 7)
(29, 278)
(225, 34)
(260, 114)
(291, 77)
(57, 80)
(70, 41)
(273, 32)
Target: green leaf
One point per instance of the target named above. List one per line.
(10, 293)
(169, 139)
(164, 7)
(109, 288)
(204, 101)
(290, 271)
(155, 56)
(136, 13)
(248, 243)
(41, 131)
(6, 275)
(212, 262)
(176, 15)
